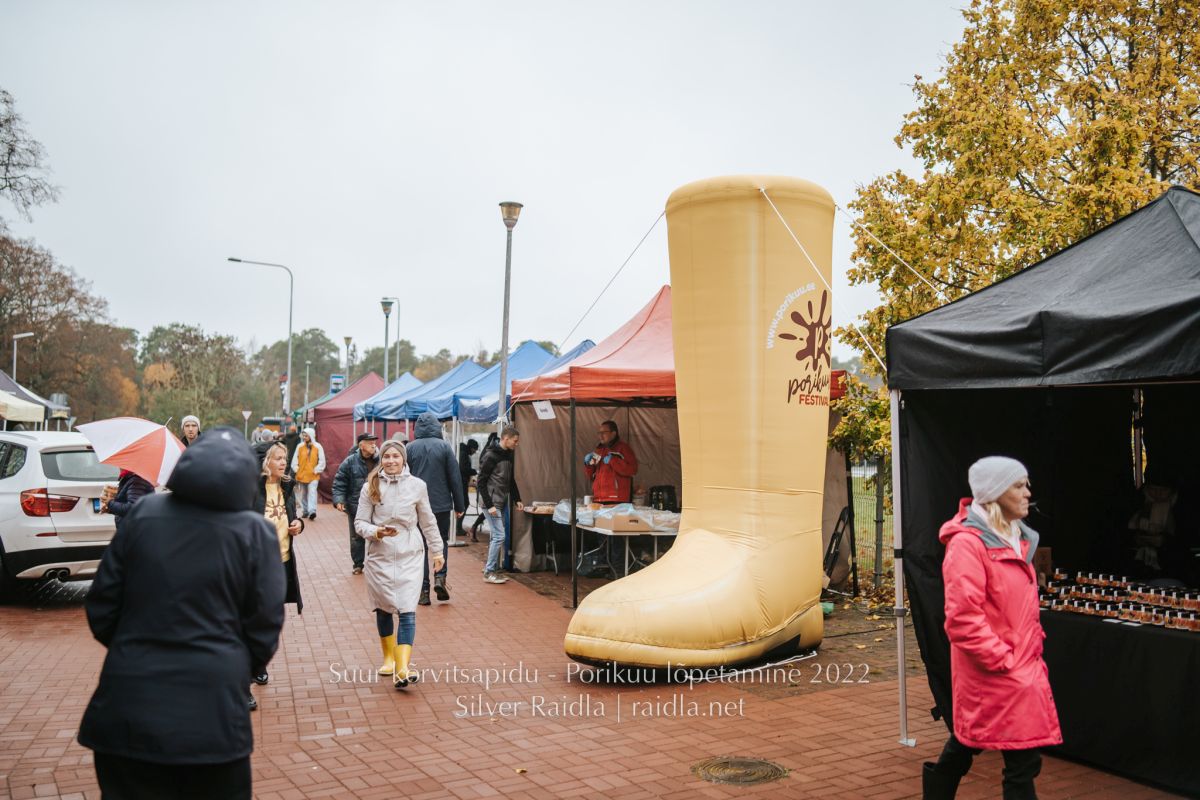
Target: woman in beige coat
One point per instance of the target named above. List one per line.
(393, 515)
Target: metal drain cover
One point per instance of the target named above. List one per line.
(737, 770)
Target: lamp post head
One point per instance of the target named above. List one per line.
(348, 340)
(386, 305)
(25, 335)
(231, 258)
(509, 211)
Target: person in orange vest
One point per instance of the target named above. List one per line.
(611, 467)
(308, 462)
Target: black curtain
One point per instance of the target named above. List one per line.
(1076, 444)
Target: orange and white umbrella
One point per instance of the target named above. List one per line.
(138, 445)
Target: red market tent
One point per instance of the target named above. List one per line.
(335, 426)
(636, 361)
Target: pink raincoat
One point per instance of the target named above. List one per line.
(1000, 683)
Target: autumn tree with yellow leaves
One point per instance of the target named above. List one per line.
(1050, 119)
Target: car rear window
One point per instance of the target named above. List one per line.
(77, 465)
(14, 462)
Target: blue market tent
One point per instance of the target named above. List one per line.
(485, 408)
(391, 394)
(390, 407)
(526, 361)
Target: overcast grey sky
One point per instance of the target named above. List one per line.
(367, 144)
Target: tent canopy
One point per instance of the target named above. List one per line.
(7, 384)
(14, 409)
(527, 360)
(411, 404)
(334, 420)
(638, 360)
(1119, 306)
(392, 394)
(487, 408)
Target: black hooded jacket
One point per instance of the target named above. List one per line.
(432, 460)
(188, 600)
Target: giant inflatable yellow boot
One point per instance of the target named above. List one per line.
(751, 336)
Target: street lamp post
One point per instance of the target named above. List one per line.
(386, 304)
(307, 366)
(17, 336)
(509, 211)
(287, 393)
(395, 300)
(347, 340)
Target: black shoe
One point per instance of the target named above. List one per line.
(439, 588)
(935, 785)
(262, 679)
(253, 703)
(424, 601)
(312, 515)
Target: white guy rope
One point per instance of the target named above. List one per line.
(817, 270)
(892, 252)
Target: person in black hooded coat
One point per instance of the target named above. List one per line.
(188, 599)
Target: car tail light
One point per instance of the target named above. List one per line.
(40, 503)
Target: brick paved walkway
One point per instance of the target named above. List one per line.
(326, 728)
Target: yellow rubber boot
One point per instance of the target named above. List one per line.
(744, 575)
(403, 676)
(388, 645)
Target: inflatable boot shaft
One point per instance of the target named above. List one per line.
(750, 320)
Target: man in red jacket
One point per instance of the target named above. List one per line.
(611, 467)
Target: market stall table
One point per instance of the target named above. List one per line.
(627, 535)
(1127, 697)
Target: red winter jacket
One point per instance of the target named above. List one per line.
(999, 682)
(612, 482)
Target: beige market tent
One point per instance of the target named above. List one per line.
(13, 409)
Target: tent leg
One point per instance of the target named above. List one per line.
(454, 520)
(853, 543)
(897, 541)
(574, 521)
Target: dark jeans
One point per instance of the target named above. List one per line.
(408, 625)
(443, 521)
(127, 778)
(1020, 766)
(358, 545)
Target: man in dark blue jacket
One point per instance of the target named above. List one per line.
(188, 600)
(347, 486)
(431, 459)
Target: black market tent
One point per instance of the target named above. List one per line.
(1055, 366)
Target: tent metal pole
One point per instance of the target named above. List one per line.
(454, 519)
(1138, 475)
(574, 520)
(898, 567)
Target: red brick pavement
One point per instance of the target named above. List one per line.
(327, 728)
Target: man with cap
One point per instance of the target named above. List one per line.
(347, 486)
(191, 429)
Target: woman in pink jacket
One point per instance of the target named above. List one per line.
(999, 682)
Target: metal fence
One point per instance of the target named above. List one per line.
(872, 526)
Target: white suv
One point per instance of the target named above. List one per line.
(50, 520)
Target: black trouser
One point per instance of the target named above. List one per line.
(1020, 766)
(358, 545)
(466, 487)
(129, 779)
(443, 521)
